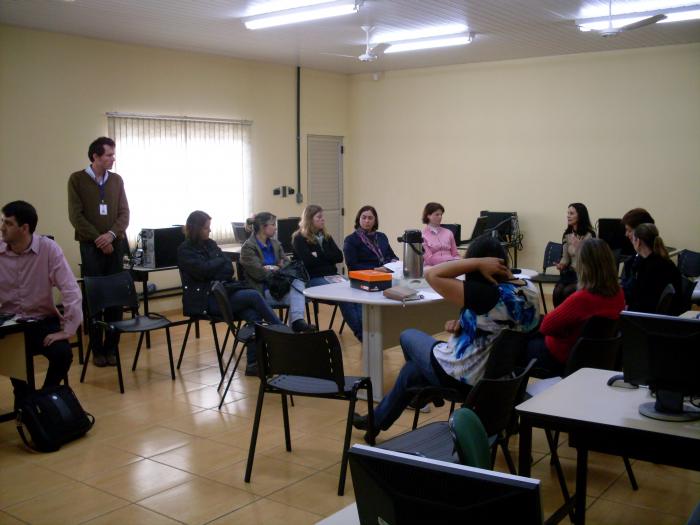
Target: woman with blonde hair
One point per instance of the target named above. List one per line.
(652, 272)
(315, 247)
(599, 295)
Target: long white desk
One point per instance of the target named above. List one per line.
(384, 319)
(604, 419)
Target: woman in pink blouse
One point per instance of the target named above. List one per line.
(438, 242)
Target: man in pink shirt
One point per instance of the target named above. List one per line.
(30, 266)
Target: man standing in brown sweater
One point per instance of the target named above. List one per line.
(99, 212)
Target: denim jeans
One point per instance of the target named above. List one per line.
(294, 299)
(418, 372)
(352, 312)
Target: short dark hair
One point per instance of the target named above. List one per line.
(365, 208)
(23, 212)
(261, 219)
(98, 147)
(193, 227)
(637, 216)
(431, 208)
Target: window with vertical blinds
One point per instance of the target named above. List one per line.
(172, 166)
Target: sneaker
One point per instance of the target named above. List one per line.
(300, 326)
(99, 360)
(251, 370)
(360, 422)
(112, 359)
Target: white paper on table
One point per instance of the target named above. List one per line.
(396, 267)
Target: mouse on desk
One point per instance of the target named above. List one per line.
(618, 381)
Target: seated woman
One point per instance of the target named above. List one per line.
(630, 221)
(578, 229)
(261, 256)
(599, 295)
(202, 262)
(490, 302)
(366, 248)
(651, 273)
(438, 243)
(315, 247)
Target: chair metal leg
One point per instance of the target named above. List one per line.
(196, 328)
(370, 411)
(285, 417)
(79, 336)
(170, 352)
(555, 454)
(308, 313)
(416, 414)
(544, 302)
(346, 447)
(138, 352)
(342, 325)
(228, 364)
(560, 474)
(330, 325)
(86, 361)
(119, 370)
(630, 473)
(508, 457)
(184, 342)
(254, 434)
(493, 452)
(315, 312)
(218, 349)
(230, 379)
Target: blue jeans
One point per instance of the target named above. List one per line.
(295, 299)
(352, 312)
(418, 372)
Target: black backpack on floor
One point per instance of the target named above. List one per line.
(52, 416)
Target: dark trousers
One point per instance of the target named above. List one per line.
(59, 354)
(546, 365)
(95, 264)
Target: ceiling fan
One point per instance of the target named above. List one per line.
(372, 52)
(614, 31)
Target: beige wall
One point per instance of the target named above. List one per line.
(613, 130)
(55, 90)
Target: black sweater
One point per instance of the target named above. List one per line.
(319, 259)
(200, 265)
(646, 279)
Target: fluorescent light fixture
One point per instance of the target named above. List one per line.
(282, 5)
(431, 43)
(673, 14)
(294, 16)
(427, 32)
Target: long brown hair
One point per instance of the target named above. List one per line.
(596, 268)
(193, 227)
(648, 234)
(306, 224)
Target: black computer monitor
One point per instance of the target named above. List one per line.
(501, 221)
(663, 352)
(240, 234)
(397, 488)
(285, 229)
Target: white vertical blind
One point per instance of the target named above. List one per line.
(172, 166)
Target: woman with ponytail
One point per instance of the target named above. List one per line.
(652, 273)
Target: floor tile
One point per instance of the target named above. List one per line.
(317, 494)
(268, 512)
(22, 482)
(132, 514)
(311, 451)
(73, 503)
(198, 501)
(604, 512)
(207, 423)
(151, 441)
(201, 456)
(83, 463)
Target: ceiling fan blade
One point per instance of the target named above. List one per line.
(378, 49)
(643, 23)
(338, 55)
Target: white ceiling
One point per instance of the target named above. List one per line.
(505, 29)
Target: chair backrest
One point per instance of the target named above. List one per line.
(456, 230)
(552, 255)
(494, 400)
(506, 351)
(221, 297)
(107, 291)
(689, 263)
(665, 304)
(598, 347)
(470, 438)
(314, 354)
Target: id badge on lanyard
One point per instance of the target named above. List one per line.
(103, 204)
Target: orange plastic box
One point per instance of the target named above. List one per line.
(370, 280)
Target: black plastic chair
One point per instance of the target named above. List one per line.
(194, 319)
(552, 255)
(689, 263)
(118, 290)
(243, 335)
(306, 364)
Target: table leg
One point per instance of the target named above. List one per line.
(525, 448)
(144, 282)
(581, 482)
(373, 348)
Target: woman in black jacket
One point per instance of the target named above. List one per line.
(315, 247)
(202, 262)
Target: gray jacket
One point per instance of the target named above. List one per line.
(253, 265)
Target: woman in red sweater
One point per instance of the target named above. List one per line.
(598, 295)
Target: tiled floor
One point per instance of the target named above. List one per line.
(163, 453)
